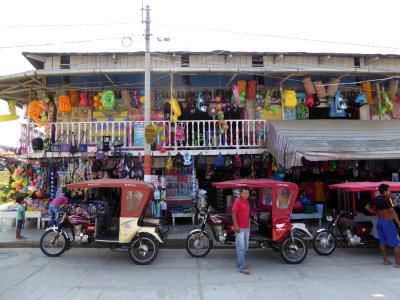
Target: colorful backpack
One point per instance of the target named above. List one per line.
(178, 161)
(169, 164)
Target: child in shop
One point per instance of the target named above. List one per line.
(20, 218)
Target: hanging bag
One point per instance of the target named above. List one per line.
(178, 161)
(219, 161)
(82, 147)
(47, 145)
(106, 143)
(74, 147)
(37, 144)
(65, 147)
(56, 146)
(20, 149)
(201, 162)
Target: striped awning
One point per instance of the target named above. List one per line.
(321, 140)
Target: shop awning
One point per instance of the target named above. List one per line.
(320, 140)
(364, 186)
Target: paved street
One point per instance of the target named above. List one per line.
(25, 273)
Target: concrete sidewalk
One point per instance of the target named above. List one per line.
(176, 237)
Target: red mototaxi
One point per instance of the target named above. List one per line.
(284, 195)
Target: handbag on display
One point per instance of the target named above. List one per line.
(56, 146)
(47, 145)
(37, 144)
(20, 149)
(65, 147)
(106, 143)
(74, 147)
(82, 147)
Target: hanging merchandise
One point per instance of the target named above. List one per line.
(366, 88)
(64, 104)
(241, 84)
(333, 112)
(361, 99)
(178, 160)
(12, 114)
(340, 102)
(187, 159)
(268, 102)
(237, 161)
(308, 86)
(387, 105)
(142, 99)
(290, 98)
(158, 103)
(219, 161)
(200, 103)
(97, 102)
(333, 86)
(251, 90)
(37, 112)
(74, 97)
(201, 162)
(176, 110)
(396, 108)
(302, 112)
(180, 136)
(84, 100)
(310, 101)
(320, 89)
(108, 100)
(235, 99)
(169, 164)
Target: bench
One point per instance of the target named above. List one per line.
(302, 216)
(182, 215)
(13, 215)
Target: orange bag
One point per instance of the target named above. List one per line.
(64, 104)
(366, 88)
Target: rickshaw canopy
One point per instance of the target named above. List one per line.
(364, 186)
(284, 195)
(135, 195)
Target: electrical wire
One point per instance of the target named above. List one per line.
(67, 25)
(276, 36)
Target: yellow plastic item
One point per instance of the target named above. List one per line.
(12, 115)
(290, 98)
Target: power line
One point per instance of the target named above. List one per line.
(67, 25)
(277, 36)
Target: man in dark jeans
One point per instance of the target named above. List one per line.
(382, 206)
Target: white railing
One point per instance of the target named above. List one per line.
(195, 135)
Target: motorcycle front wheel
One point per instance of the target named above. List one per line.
(52, 245)
(293, 250)
(199, 244)
(324, 242)
(143, 249)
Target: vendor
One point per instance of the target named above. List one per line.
(54, 207)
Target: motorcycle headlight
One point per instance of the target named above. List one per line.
(329, 218)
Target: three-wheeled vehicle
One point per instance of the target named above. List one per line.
(119, 219)
(276, 198)
(349, 225)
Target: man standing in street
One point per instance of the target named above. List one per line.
(382, 206)
(241, 222)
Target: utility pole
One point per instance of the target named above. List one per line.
(147, 101)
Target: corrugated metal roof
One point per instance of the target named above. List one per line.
(320, 140)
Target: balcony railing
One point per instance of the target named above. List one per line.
(202, 135)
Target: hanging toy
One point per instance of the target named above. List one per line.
(361, 99)
(97, 102)
(200, 103)
(340, 103)
(235, 95)
(387, 104)
(64, 104)
(176, 110)
(12, 114)
(142, 98)
(37, 113)
(84, 101)
(108, 100)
